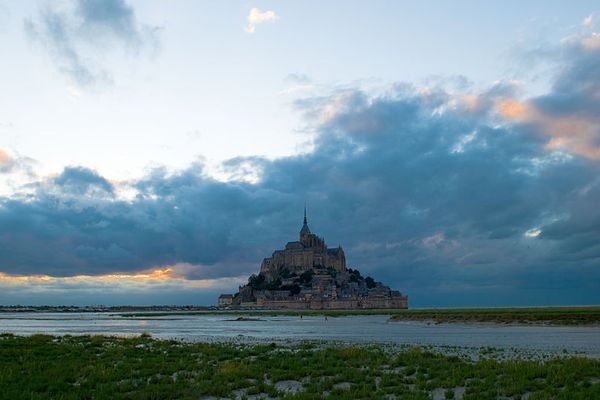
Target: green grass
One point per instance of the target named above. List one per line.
(98, 367)
(547, 315)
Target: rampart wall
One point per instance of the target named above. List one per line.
(317, 304)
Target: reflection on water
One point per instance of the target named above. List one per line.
(365, 329)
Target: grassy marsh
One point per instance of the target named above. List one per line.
(47, 367)
(543, 315)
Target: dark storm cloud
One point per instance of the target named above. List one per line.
(76, 35)
(431, 192)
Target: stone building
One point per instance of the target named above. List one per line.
(225, 300)
(308, 275)
(306, 254)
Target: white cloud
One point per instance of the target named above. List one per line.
(587, 21)
(73, 91)
(591, 42)
(256, 17)
(533, 233)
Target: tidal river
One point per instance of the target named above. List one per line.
(354, 329)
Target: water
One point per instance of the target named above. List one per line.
(360, 329)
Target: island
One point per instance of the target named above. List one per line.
(306, 274)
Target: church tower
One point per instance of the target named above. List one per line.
(305, 231)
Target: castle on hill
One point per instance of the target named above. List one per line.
(308, 275)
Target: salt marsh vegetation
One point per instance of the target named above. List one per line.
(70, 367)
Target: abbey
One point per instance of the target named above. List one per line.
(307, 254)
(308, 275)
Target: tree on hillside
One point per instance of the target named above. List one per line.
(370, 282)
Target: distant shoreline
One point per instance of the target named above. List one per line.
(539, 316)
(567, 315)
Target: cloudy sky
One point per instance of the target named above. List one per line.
(154, 152)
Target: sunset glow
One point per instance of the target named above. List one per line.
(151, 277)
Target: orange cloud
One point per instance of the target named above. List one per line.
(591, 42)
(166, 273)
(513, 109)
(148, 278)
(156, 274)
(4, 157)
(578, 135)
(470, 102)
(575, 134)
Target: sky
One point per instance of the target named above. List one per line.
(154, 152)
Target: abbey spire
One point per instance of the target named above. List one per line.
(305, 230)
